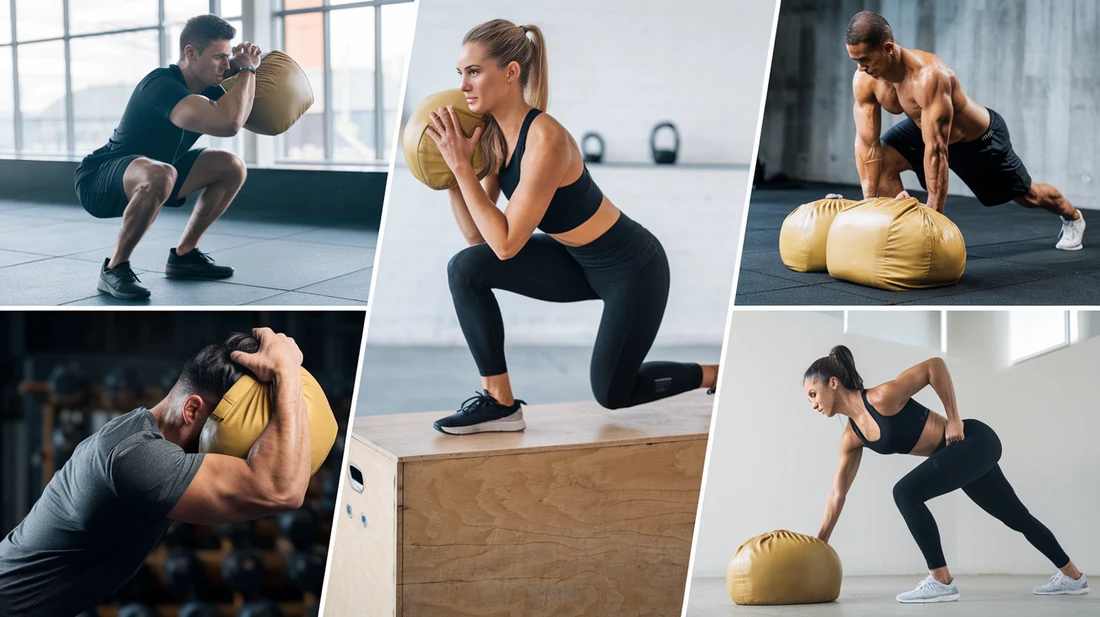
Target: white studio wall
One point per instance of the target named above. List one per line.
(765, 423)
(618, 68)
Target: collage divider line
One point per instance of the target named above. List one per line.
(366, 316)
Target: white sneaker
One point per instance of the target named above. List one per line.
(930, 590)
(1062, 585)
(1069, 239)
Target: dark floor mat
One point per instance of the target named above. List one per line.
(1008, 247)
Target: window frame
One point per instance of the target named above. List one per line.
(328, 133)
(1070, 334)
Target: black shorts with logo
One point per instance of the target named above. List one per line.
(987, 165)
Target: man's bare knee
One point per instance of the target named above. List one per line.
(155, 181)
(235, 169)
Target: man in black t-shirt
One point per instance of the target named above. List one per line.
(148, 163)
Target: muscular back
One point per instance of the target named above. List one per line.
(923, 71)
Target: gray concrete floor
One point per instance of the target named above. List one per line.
(51, 255)
(412, 379)
(867, 596)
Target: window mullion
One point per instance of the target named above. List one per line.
(70, 122)
(17, 108)
(379, 107)
(327, 119)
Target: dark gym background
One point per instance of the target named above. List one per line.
(1033, 61)
(64, 374)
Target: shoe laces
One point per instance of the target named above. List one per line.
(204, 256)
(126, 273)
(929, 583)
(476, 403)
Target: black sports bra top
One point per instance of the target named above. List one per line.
(570, 206)
(899, 433)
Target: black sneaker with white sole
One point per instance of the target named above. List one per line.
(121, 282)
(482, 413)
(195, 264)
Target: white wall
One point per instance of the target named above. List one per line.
(621, 66)
(773, 459)
(617, 67)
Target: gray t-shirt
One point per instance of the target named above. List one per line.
(96, 522)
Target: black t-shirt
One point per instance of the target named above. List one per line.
(145, 129)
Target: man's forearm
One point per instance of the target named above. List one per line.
(281, 454)
(237, 102)
(935, 176)
(869, 165)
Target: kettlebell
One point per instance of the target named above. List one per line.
(661, 156)
(590, 156)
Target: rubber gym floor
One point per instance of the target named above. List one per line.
(1010, 252)
(51, 255)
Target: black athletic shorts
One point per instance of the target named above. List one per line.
(101, 192)
(987, 165)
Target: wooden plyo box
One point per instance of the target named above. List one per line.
(587, 512)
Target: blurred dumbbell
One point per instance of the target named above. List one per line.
(242, 535)
(137, 610)
(199, 609)
(306, 569)
(299, 526)
(263, 608)
(68, 380)
(184, 574)
(243, 570)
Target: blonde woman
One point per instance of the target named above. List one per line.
(588, 248)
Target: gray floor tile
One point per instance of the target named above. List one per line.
(344, 236)
(286, 265)
(182, 292)
(354, 286)
(293, 298)
(12, 221)
(55, 281)
(817, 295)
(752, 282)
(11, 258)
(65, 212)
(65, 238)
(152, 253)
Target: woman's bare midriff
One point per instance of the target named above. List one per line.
(593, 228)
(931, 436)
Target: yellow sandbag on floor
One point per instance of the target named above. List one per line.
(783, 567)
(422, 155)
(895, 244)
(804, 232)
(283, 94)
(245, 410)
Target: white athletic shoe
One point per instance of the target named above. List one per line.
(930, 590)
(1069, 239)
(1062, 585)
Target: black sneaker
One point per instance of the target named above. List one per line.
(195, 264)
(483, 414)
(121, 282)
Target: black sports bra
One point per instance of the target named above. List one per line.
(570, 206)
(899, 433)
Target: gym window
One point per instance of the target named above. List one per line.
(355, 55)
(1034, 333)
(68, 67)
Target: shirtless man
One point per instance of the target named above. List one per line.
(945, 129)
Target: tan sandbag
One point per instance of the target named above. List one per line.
(422, 155)
(804, 232)
(783, 567)
(283, 94)
(895, 244)
(245, 410)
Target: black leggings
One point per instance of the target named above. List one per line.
(626, 268)
(970, 464)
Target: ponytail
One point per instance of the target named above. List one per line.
(840, 364)
(506, 42)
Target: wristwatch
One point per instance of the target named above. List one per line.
(247, 68)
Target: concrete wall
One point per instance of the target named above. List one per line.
(1034, 61)
(617, 67)
(773, 459)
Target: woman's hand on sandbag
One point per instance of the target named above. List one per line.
(456, 148)
(278, 355)
(245, 54)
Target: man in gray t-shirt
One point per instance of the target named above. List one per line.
(107, 508)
